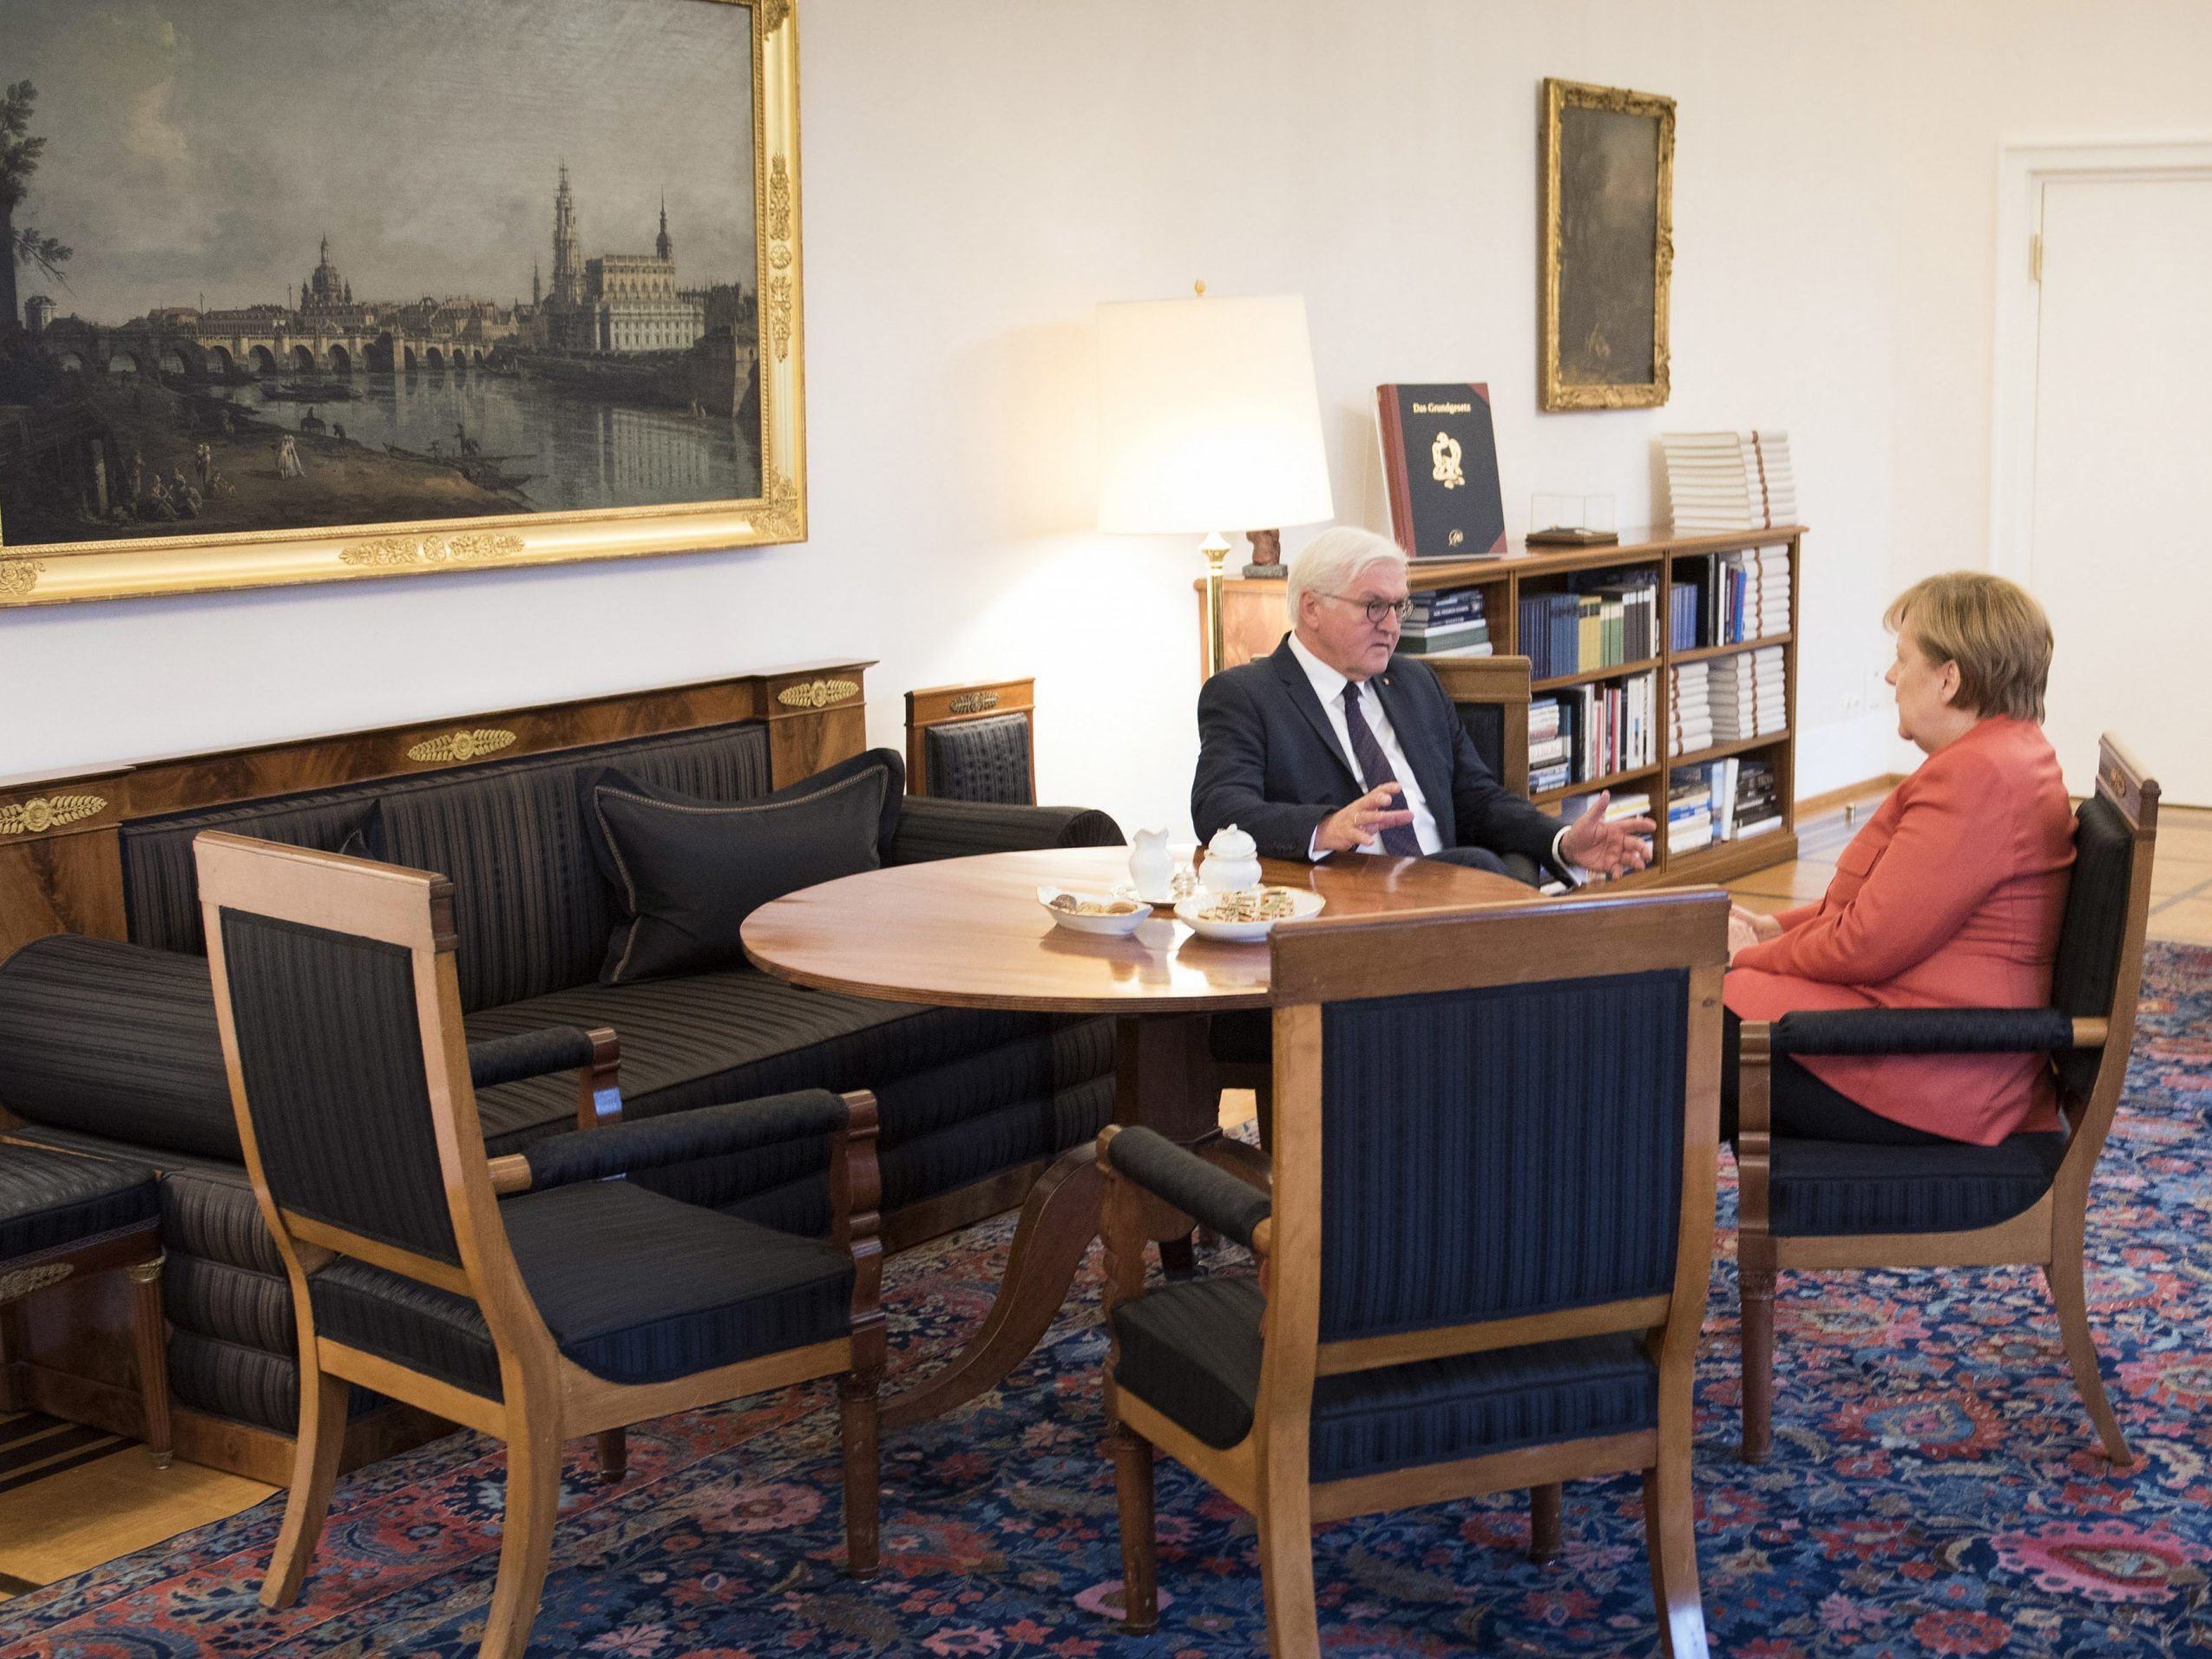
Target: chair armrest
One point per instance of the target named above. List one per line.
(1207, 1194)
(673, 1138)
(528, 1053)
(1927, 1031)
(930, 828)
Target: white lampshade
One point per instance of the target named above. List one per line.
(1208, 419)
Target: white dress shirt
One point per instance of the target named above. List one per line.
(1328, 686)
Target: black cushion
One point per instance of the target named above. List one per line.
(1822, 1187)
(2088, 962)
(688, 872)
(980, 760)
(116, 1041)
(737, 1034)
(1192, 1352)
(49, 1201)
(635, 1287)
(931, 828)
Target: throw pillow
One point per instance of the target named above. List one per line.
(686, 872)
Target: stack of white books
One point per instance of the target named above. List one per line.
(1729, 481)
(1745, 694)
(1769, 692)
(1766, 604)
(1690, 713)
(1690, 810)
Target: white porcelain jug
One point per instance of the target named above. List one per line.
(1232, 862)
(1151, 866)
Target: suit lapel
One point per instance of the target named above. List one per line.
(1431, 765)
(1293, 675)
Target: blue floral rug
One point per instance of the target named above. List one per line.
(1933, 1490)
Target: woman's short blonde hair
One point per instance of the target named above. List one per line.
(1993, 629)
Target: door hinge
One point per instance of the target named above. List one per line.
(2035, 259)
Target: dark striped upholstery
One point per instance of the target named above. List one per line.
(117, 1040)
(1486, 729)
(49, 1201)
(1193, 1350)
(330, 1058)
(933, 829)
(635, 1288)
(1208, 1194)
(2087, 965)
(529, 907)
(980, 760)
(1821, 1187)
(1500, 1152)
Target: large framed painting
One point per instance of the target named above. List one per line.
(1607, 239)
(369, 288)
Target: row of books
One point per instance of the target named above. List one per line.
(1587, 732)
(1722, 800)
(1726, 700)
(1449, 622)
(1729, 481)
(1600, 623)
(1724, 598)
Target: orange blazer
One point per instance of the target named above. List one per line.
(1951, 897)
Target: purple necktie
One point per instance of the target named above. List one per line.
(1375, 768)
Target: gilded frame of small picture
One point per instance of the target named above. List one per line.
(1606, 244)
(556, 316)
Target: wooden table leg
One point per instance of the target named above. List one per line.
(1162, 1078)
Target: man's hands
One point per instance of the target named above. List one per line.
(1748, 927)
(1606, 848)
(1358, 824)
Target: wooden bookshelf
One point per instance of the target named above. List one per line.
(1253, 623)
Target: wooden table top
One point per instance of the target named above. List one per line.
(968, 933)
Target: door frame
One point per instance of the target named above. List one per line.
(2022, 171)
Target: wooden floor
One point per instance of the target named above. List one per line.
(72, 1498)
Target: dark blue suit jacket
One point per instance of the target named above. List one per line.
(1269, 763)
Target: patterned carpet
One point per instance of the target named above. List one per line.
(1932, 1490)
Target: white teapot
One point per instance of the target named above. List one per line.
(1232, 862)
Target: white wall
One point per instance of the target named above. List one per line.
(977, 176)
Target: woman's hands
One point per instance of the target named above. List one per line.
(1747, 928)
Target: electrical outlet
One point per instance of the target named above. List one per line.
(1853, 702)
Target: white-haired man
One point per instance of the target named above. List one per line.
(1337, 743)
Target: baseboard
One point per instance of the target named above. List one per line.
(1829, 800)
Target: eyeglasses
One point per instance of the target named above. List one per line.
(1376, 609)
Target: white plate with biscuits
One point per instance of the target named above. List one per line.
(1092, 913)
(1241, 917)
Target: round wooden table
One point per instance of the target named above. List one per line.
(968, 933)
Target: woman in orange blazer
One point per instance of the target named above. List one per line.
(1950, 897)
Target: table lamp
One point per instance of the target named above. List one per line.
(1208, 420)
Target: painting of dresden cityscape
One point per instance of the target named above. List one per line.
(274, 267)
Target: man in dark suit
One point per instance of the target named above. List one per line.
(1335, 743)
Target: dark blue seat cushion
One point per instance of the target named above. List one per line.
(635, 1287)
(49, 1201)
(1822, 1187)
(1193, 1352)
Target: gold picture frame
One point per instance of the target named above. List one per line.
(1606, 244)
(62, 572)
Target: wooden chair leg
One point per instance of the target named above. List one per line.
(1544, 1523)
(314, 1472)
(857, 1417)
(526, 1538)
(1758, 1331)
(2064, 1277)
(613, 1454)
(1133, 1480)
(150, 1337)
(1670, 1535)
(1286, 1573)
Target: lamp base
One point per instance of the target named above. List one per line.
(1267, 572)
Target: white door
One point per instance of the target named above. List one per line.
(2120, 534)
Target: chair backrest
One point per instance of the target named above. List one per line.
(973, 742)
(2098, 968)
(1491, 696)
(1495, 1127)
(339, 1011)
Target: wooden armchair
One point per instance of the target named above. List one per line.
(1492, 696)
(973, 742)
(579, 1304)
(1487, 1244)
(1813, 1204)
